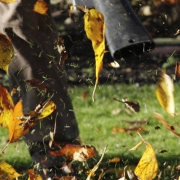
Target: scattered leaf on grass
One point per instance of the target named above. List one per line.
(147, 167)
(75, 152)
(6, 52)
(40, 7)
(164, 93)
(135, 122)
(6, 107)
(133, 105)
(127, 130)
(7, 171)
(168, 126)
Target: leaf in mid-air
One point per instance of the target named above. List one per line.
(164, 93)
(40, 7)
(6, 52)
(147, 167)
(20, 124)
(7, 171)
(94, 26)
(6, 107)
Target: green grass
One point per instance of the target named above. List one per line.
(97, 119)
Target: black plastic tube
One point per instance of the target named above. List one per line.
(125, 34)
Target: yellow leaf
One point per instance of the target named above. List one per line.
(94, 26)
(6, 107)
(6, 52)
(46, 110)
(19, 126)
(147, 167)
(40, 7)
(7, 1)
(164, 93)
(16, 130)
(7, 171)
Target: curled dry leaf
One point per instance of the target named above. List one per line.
(40, 7)
(168, 126)
(133, 105)
(7, 1)
(75, 152)
(7, 171)
(6, 107)
(33, 175)
(6, 52)
(147, 167)
(164, 93)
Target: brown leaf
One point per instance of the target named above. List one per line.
(6, 51)
(133, 105)
(127, 130)
(75, 152)
(40, 7)
(135, 122)
(33, 175)
(6, 107)
(168, 126)
(177, 70)
(37, 84)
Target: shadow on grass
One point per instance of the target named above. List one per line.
(167, 167)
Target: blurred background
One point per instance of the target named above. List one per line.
(161, 19)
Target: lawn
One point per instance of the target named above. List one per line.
(97, 120)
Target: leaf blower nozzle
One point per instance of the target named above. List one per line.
(125, 34)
